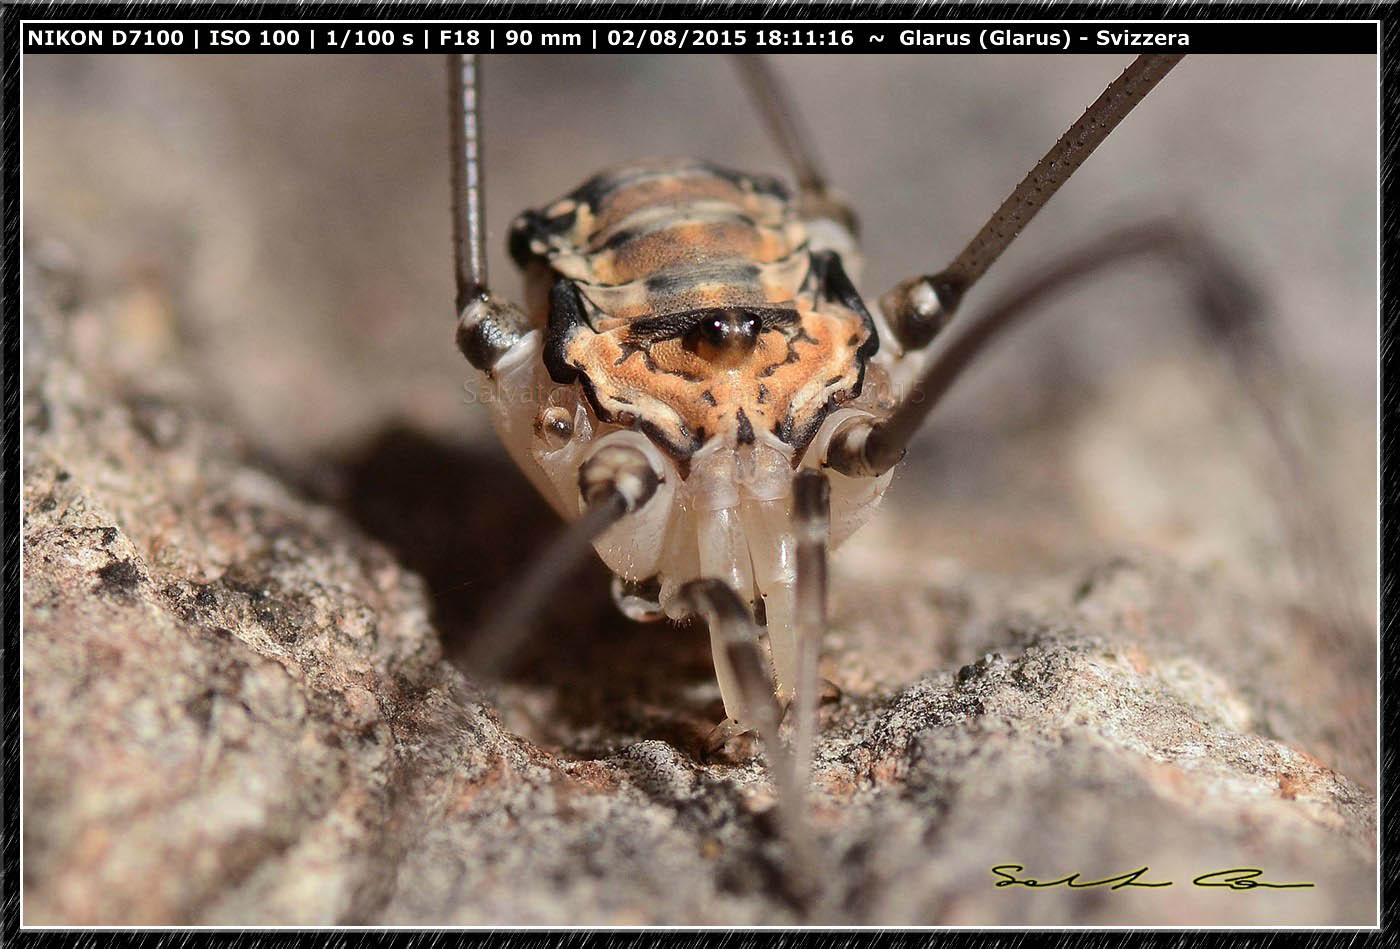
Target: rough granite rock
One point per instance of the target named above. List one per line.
(236, 711)
(258, 519)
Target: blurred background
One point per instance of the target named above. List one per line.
(281, 224)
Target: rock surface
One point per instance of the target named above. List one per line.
(240, 584)
(237, 712)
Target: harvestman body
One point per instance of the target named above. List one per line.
(696, 384)
(689, 314)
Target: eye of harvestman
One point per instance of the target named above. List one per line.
(726, 333)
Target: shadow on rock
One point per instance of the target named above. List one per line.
(470, 524)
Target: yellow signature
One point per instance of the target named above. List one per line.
(1235, 878)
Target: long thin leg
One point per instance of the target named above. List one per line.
(784, 121)
(791, 135)
(1229, 313)
(468, 202)
(1227, 307)
(735, 634)
(811, 517)
(615, 481)
(486, 328)
(918, 308)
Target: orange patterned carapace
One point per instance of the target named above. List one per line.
(686, 300)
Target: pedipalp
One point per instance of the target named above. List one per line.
(811, 523)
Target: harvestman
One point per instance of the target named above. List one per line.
(697, 385)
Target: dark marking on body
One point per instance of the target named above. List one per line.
(565, 317)
(652, 366)
(833, 284)
(617, 240)
(791, 357)
(670, 282)
(654, 329)
(532, 226)
(744, 434)
(596, 190)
